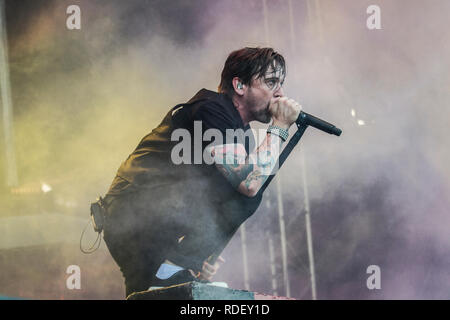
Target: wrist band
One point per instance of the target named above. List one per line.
(282, 133)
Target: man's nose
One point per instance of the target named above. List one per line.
(279, 92)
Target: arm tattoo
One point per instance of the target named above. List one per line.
(235, 174)
(248, 173)
(254, 176)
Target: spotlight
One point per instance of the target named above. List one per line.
(46, 188)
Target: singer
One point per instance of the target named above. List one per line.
(167, 223)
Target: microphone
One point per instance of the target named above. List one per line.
(309, 120)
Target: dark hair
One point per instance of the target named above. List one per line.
(246, 63)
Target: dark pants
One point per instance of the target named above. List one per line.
(142, 230)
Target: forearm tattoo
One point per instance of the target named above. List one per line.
(248, 173)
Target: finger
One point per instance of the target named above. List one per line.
(220, 259)
(279, 106)
(273, 107)
(204, 277)
(194, 274)
(207, 275)
(209, 268)
(284, 101)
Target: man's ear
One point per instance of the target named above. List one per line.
(238, 86)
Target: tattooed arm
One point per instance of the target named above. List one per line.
(247, 174)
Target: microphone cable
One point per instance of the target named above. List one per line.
(91, 249)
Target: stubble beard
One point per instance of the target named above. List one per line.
(262, 115)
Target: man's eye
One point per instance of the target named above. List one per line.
(271, 83)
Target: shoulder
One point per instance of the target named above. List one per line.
(218, 107)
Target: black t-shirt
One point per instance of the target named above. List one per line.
(151, 164)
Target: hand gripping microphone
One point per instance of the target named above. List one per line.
(309, 120)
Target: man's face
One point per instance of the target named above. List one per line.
(262, 91)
